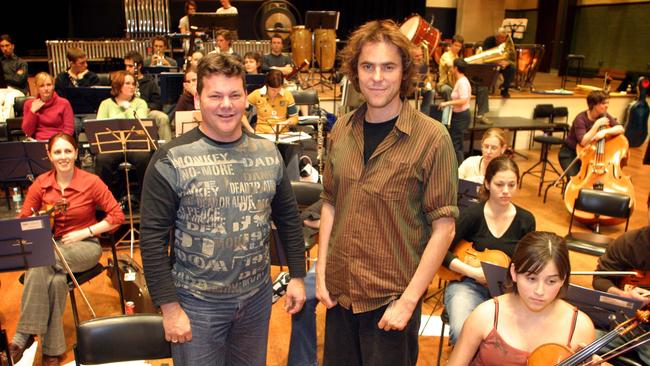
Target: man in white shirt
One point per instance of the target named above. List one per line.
(226, 8)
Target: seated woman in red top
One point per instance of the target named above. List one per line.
(75, 230)
(47, 114)
(531, 314)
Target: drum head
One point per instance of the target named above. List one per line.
(410, 27)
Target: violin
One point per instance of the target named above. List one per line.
(601, 169)
(467, 254)
(53, 210)
(557, 354)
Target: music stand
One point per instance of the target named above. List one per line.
(86, 100)
(24, 243)
(467, 193)
(210, 22)
(322, 19)
(21, 161)
(115, 136)
(254, 81)
(185, 121)
(481, 75)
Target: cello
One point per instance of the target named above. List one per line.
(601, 169)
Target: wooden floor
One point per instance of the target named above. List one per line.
(551, 216)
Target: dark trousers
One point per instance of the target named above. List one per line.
(565, 157)
(459, 124)
(508, 77)
(354, 339)
(107, 168)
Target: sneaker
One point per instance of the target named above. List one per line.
(280, 286)
(484, 120)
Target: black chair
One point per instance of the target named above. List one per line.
(576, 62)
(561, 126)
(121, 338)
(547, 141)
(600, 203)
(15, 124)
(104, 79)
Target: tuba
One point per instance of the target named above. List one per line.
(504, 51)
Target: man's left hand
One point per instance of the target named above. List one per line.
(396, 316)
(295, 297)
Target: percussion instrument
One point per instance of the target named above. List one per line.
(529, 57)
(301, 44)
(421, 33)
(325, 48)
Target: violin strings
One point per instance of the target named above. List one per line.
(633, 343)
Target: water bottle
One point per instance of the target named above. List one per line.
(18, 199)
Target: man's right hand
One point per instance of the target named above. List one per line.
(321, 289)
(176, 323)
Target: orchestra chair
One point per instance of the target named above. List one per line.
(310, 99)
(599, 203)
(575, 61)
(547, 140)
(104, 79)
(15, 124)
(561, 126)
(121, 338)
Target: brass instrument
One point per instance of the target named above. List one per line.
(504, 51)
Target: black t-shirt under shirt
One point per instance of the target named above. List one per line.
(374, 134)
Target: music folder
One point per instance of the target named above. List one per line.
(596, 304)
(25, 243)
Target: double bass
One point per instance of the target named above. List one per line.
(601, 169)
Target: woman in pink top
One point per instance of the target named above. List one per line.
(459, 103)
(531, 314)
(47, 114)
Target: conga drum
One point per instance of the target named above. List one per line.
(325, 48)
(301, 45)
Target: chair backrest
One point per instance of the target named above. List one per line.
(543, 111)
(560, 112)
(19, 103)
(602, 203)
(121, 338)
(305, 97)
(104, 79)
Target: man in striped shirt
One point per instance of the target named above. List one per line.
(389, 204)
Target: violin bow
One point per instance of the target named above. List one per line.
(57, 250)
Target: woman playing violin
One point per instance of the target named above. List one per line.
(75, 230)
(496, 223)
(586, 129)
(531, 314)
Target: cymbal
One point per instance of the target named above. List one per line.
(278, 30)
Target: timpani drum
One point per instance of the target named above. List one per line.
(301, 45)
(325, 48)
(421, 33)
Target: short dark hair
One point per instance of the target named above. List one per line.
(274, 78)
(219, 63)
(596, 97)
(534, 251)
(277, 35)
(498, 164)
(134, 56)
(458, 38)
(255, 56)
(378, 31)
(226, 34)
(460, 64)
(159, 38)
(74, 53)
(6, 37)
(189, 3)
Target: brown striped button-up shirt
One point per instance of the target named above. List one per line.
(384, 209)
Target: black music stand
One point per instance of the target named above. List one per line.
(254, 81)
(467, 193)
(21, 161)
(121, 136)
(322, 19)
(86, 100)
(481, 75)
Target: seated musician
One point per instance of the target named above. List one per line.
(496, 223)
(531, 314)
(447, 80)
(275, 59)
(123, 104)
(158, 58)
(184, 23)
(48, 113)
(193, 60)
(188, 100)
(493, 145)
(628, 253)
(276, 108)
(423, 82)
(253, 63)
(75, 230)
(508, 65)
(147, 89)
(588, 127)
(14, 71)
(77, 74)
(224, 41)
(226, 8)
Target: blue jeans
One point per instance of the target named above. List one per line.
(461, 297)
(227, 332)
(302, 348)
